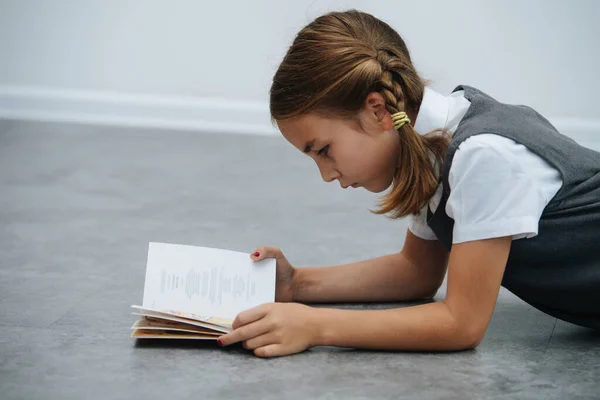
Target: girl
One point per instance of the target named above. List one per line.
(492, 190)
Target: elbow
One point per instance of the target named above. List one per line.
(427, 293)
(467, 330)
(472, 341)
(471, 335)
(429, 289)
(468, 333)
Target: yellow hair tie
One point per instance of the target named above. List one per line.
(399, 119)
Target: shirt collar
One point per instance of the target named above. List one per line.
(433, 113)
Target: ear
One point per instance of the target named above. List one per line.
(375, 106)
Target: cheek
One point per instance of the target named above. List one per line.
(363, 160)
(378, 160)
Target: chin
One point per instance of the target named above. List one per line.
(377, 187)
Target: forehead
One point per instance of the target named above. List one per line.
(307, 128)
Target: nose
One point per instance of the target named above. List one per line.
(328, 173)
(327, 176)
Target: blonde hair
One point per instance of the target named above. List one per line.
(331, 67)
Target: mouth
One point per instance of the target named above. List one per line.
(354, 185)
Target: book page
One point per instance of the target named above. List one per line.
(226, 323)
(217, 324)
(206, 281)
(156, 334)
(172, 326)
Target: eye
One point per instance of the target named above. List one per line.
(323, 150)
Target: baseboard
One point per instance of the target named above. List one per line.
(122, 109)
(5, 124)
(176, 112)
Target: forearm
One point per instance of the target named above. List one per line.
(458, 322)
(388, 278)
(428, 327)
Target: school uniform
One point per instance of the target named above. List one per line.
(509, 172)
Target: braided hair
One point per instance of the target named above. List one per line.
(331, 67)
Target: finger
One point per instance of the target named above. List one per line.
(271, 350)
(263, 252)
(251, 315)
(244, 333)
(261, 341)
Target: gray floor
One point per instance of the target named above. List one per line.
(78, 206)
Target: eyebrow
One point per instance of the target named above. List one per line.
(308, 146)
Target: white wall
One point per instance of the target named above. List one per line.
(207, 65)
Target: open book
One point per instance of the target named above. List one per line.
(195, 292)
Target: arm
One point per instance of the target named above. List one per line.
(415, 273)
(456, 323)
(475, 272)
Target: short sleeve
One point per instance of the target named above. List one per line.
(491, 194)
(417, 224)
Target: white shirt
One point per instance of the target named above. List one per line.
(498, 187)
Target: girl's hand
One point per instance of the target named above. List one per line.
(285, 288)
(275, 329)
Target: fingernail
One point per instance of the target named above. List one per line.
(256, 254)
(219, 342)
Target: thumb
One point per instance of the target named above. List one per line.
(263, 252)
